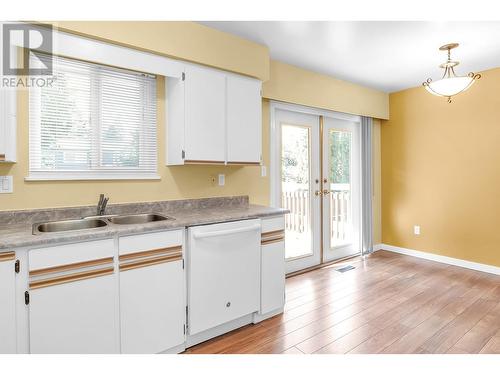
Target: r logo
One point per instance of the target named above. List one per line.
(33, 39)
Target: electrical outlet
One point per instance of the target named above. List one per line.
(263, 171)
(222, 180)
(416, 230)
(6, 184)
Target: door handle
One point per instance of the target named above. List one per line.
(326, 192)
(318, 193)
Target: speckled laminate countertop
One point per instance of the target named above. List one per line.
(16, 226)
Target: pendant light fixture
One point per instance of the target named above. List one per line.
(450, 84)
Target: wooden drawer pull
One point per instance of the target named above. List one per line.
(71, 278)
(10, 255)
(272, 237)
(274, 233)
(270, 241)
(71, 266)
(149, 253)
(150, 262)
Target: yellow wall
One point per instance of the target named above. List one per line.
(441, 170)
(292, 84)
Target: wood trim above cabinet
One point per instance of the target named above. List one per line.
(71, 278)
(150, 262)
(10, 255)
(268, 242)
(71, 266)
(148, 258)
(174, 250)
(272, 237)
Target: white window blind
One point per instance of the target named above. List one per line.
(95, 122)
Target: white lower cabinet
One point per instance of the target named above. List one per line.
(7, 303)
(152, 292)
(72, 299)
(223, 273)
(272, 265)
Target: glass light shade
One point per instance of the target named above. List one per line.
(450, 86)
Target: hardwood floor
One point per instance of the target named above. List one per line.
(390, 303)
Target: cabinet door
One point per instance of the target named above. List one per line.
(152, 308)
(73, 299)
(152, 292)
(273, 277)
(244, 120)
(272, 265)
(224, 273)
(205, 93)
(7, 303)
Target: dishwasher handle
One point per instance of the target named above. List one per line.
(226, 232)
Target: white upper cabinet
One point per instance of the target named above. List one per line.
(205, 137)
(213, 117)
(7, 125)
(244, 120)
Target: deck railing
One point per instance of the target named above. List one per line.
(299, 219)
(340, 207)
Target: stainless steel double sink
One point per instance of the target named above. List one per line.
(96, 222)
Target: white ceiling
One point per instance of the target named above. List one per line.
(385, 55)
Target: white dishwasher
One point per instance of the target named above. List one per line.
(223, 273)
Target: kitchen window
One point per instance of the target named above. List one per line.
(95, 122)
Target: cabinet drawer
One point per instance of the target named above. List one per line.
(273, 224)
(72, 253)
(150, 241)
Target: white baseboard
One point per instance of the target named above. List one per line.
(439, 258)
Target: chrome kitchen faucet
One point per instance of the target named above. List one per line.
(101, 205)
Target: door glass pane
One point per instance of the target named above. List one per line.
(339, 176)
(296, 189)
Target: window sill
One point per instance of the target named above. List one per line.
(91, 177)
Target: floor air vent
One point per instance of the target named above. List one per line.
(345, 269)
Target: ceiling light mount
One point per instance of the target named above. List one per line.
(450, 84)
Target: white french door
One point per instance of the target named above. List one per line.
(341, 188)
(315, 171)
(297, 137)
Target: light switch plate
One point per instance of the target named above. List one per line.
(263, 171)
(416, 229)
(6, 184)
